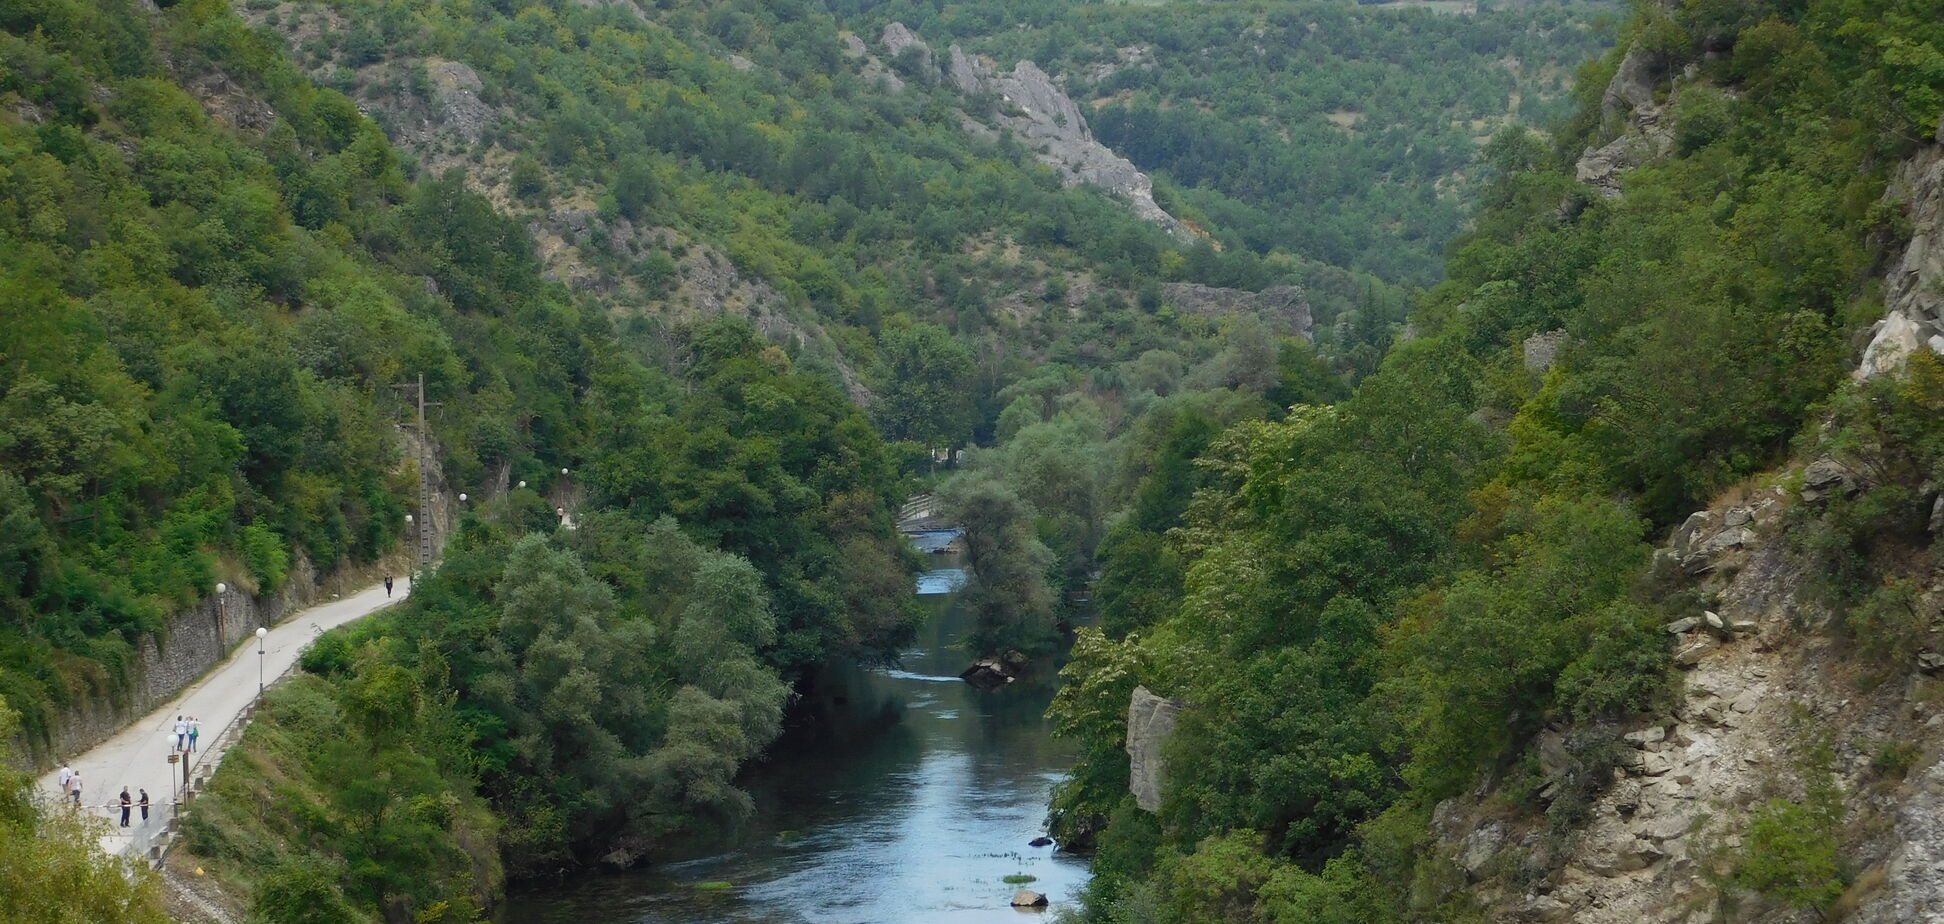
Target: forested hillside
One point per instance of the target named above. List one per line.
(1339, 133)
(1370, 608)
(725, 273)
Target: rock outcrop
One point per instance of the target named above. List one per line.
(1034, 108)
(1912, 296)
(1643, 137)
(1150, 723)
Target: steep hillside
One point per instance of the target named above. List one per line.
(205, 325)
(1403, 636)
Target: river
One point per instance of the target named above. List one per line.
(896, 794)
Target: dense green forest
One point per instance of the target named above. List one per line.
(1374, 564)
(1368, 605)
(228, 276)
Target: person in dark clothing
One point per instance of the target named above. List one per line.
(387, 585)
(125, 803)
(144, 804)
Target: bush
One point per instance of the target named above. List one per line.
(1789, 855)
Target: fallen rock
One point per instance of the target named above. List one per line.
(1027, 898)
(1823, 476)
(1041, 841)
(988, 674)
(1694, 648)
(1683, 625)
(1479, 847)
(1626, 797)
(1652, 734)
(1930, 662)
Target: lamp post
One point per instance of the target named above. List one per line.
(261, 632)
(222, 615)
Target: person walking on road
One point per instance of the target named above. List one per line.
(74, 788)
(388, 585)
(144, 804)
(126, 804)
(67, 773)
(182, 734)
(195, 728)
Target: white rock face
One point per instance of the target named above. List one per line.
(1150, 722)
(1034, 108)
(1914, 316)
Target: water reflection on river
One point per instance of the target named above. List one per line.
(898, 795)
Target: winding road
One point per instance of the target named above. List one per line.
(137, 756)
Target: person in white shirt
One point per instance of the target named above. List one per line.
(67, 773)
(182, 733)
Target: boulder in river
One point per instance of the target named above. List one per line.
(1041, 841)
(989, 674)
(1027, 898)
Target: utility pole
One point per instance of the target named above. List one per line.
(425, 484)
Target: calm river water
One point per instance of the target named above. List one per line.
(898, 795)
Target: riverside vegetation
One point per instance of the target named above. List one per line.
(1369, 596)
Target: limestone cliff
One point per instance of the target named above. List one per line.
(1035, 109)
(1912, 297)
(1150, 723)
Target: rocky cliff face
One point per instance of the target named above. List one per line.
(1644, 134)
(1912, 295)
(1763, 678)
(1150, 723)
(1034, 108)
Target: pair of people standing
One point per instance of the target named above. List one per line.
(186, 731)
(70, 780)
(127, 804)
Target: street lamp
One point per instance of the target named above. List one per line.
(462, 497)
(563, 471)
(222, 616)
(522, 482)
(261, 632)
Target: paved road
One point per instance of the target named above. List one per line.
(137, 756)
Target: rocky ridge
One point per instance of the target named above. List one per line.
(1034, 108)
